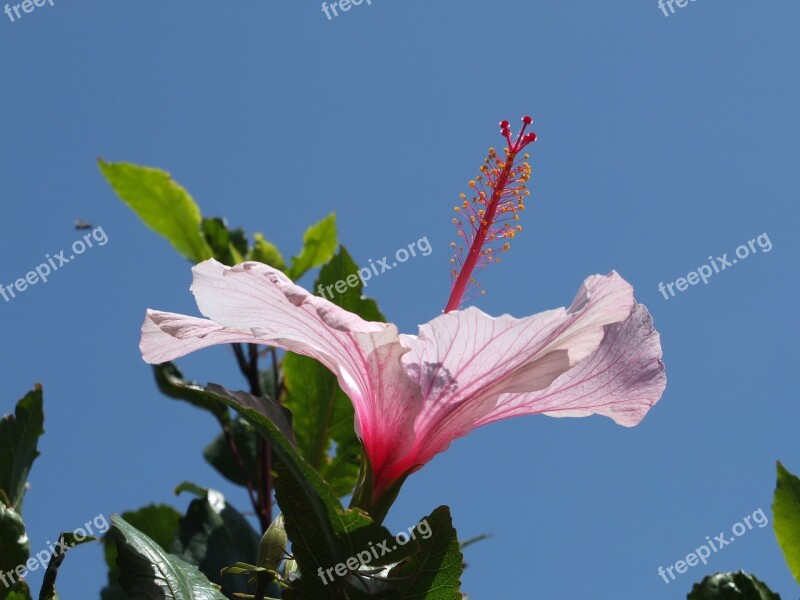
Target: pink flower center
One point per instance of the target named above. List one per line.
(486, 221)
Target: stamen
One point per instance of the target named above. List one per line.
(483, 220)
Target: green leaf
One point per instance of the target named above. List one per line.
(229, 247)
(147, 571)
(48, 591)
(192, 488)
(20, 591)
(162, 204)
(786, 518)
(736, 585)
(324, 415)
(322, 532)
(14, 547)
(220, 455)
(213, 535)
(319, 244)
(340, 268)
(434, 572)
(266, 252)
(172, 384)
(19, 435)
(159, 522)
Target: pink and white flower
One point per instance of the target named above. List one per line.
(414, 394)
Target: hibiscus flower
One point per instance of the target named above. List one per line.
(414, 395)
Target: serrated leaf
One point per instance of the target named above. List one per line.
(786, 518)
(267, 253)
(19, 436)
(157, 521)
(434, 572)
(14, 546)
(69, 540)
(324, 415)
(147, 571)
(213, 535)
(220, 455)
(172, 384)
(319, 244)
(736, 585)
(161, 204)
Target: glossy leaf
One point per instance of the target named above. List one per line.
(162, 204)
(157, 521)
(322, 532)
(213, 535)
(786, 518)
(434, 572)
(14, 547)
(148, 571)
(319, 244)
(736, 585)
(19, 436)
(172, 384)
(48, 591)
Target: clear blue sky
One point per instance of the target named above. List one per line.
(662, 140)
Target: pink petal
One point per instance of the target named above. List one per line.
(167, 336)
(622, 379)
(464, 361)
(255, 303)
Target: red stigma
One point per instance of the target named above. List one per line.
(499, 193)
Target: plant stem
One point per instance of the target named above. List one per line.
(248, 365)
(265, 452)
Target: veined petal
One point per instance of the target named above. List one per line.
(464, 361)
(167, 336)
(621, 379)
(255, 303)
(468, 353)
(253, 293)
